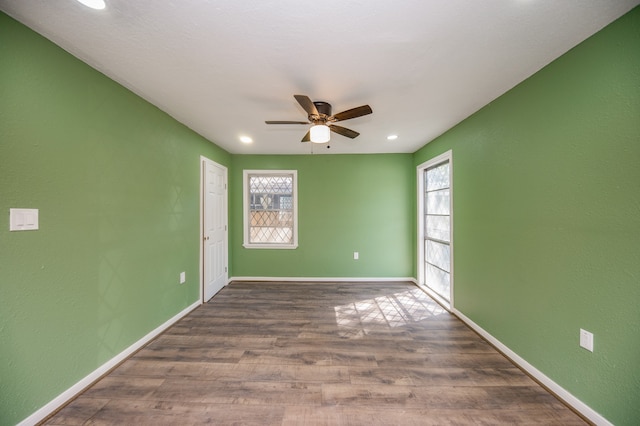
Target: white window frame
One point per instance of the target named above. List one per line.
(445, 157)
(246, 208)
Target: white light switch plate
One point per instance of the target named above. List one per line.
(586, 340)
(23, 219)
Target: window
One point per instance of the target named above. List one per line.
(434, 182)
(270, 209)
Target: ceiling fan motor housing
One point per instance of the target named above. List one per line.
(324, 110)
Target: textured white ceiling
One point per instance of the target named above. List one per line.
(224, 67)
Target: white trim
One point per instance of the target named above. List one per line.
(444, 157)
(558, 390)
(325, 279)
(74, 390)
(245, 208)
(201, 208)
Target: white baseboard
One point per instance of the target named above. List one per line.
(562, 393)
(70, 393)
(74, 390)
(324, 279)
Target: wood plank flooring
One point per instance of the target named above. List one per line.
(317, 354)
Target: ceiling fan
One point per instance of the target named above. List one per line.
(322, 120)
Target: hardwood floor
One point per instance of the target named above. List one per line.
(323, 353)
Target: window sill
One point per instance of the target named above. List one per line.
(271, 246)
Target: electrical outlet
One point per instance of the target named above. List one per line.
(183, 277)
(356, 255)
(586, 340)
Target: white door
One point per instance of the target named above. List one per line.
(214, 238)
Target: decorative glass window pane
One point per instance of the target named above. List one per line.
(438, 280)
(438, 202)
(437, 178)
(270, 211)
(438, 255)
(438, 227)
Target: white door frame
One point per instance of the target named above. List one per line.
(204, 160)
(446, 156)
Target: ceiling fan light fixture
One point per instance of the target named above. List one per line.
(319, 133)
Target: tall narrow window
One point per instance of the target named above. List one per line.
(435, 214)
(270, 209)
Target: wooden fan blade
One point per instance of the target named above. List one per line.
(287, 122)
(352, 113)
(307, 104)
(307, 137)
(344, 131)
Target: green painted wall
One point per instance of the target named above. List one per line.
(117, 184)
(346, 203)
(547, 218)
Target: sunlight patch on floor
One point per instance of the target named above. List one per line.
(358, 319)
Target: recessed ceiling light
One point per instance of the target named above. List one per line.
(392, 137)
(245, 139)
(94, 4)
